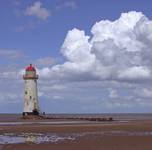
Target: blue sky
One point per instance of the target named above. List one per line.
(92, 56)
(46, 36)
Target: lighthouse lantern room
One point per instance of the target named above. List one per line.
(31, 106)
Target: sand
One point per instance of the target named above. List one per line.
(107, 143)
(91, 141)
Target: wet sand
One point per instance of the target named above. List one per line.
(107, 143)
(132, 135)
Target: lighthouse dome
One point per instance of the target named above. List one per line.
(30, 68)
(30, 73)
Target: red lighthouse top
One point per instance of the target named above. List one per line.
(30, 73)
(30, 68)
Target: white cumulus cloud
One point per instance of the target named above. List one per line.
(38, 11)
(116, 50)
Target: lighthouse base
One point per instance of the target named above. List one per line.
(32, 117)
(34, 112)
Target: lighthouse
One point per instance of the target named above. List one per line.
(31, 106)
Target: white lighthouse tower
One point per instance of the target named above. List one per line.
(31, 106)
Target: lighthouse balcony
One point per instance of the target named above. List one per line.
(30, 77)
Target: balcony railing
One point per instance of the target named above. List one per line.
(30, 77)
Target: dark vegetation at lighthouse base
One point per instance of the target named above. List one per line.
(34, 112)
(29, 115)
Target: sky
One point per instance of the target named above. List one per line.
(91, 56)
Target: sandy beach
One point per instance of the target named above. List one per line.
(107, 143)
(129, 135)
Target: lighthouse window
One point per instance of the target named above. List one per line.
(25, 92)
(30, 97)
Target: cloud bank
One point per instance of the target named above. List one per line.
(106, 71)
(116, 50)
